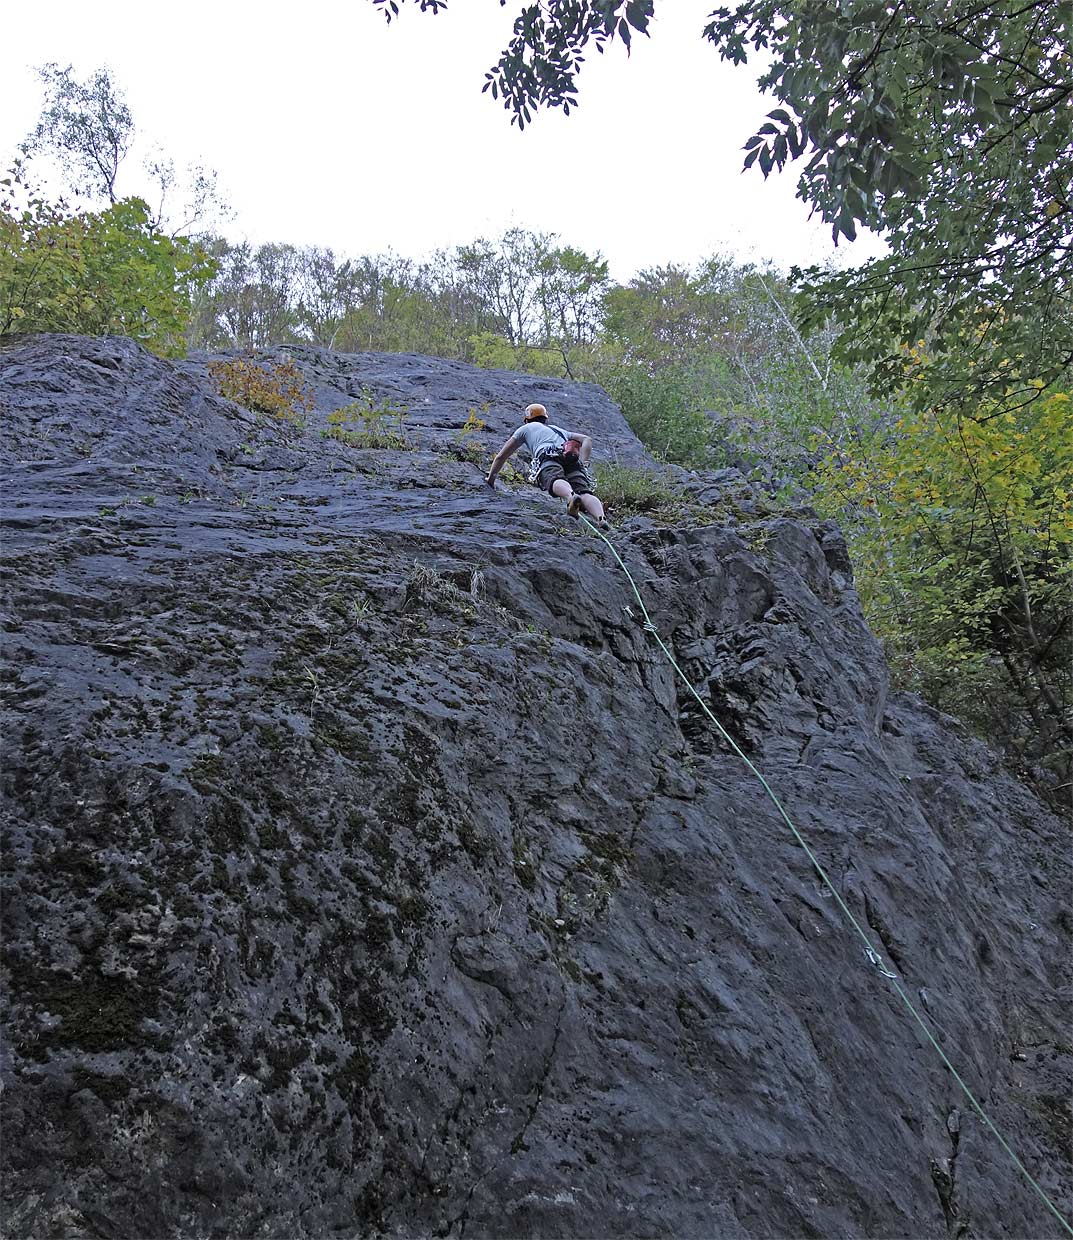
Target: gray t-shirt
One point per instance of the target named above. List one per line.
(536, 436)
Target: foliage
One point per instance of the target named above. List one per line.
(277, 388)
(330, 289)
(502, 274)
(670, 315)
(253, 301)
(659, 413)
(494, 352)
(94, 272)
(540, 66)
(947, 129)
(467, 445)
(86, 125)
(275, 293)
(368, 423)
(39, 260)
(541, 62)
(521, 301)
(408, 307)
(961, 529)
(709, 361)
(944, 127)
(890, 102)
(627, 491)
(474, 424)
(536, 292)
(570, 294)
(88, 129)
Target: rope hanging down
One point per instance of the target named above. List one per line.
(873, 956)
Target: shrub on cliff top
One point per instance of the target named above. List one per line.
(94, 273)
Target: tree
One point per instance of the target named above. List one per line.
(329, 291)
(949, 131)
(405, 306)
(713, 351)
(570, 291)
(504, 274)
(962, 534)
(87, 126)
(670, 315)
(198, 193)
(540, 298)
(254, 296)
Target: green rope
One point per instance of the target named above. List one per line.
(873, 955)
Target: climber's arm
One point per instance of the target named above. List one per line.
(508, 449)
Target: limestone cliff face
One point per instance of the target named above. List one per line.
(368, 874)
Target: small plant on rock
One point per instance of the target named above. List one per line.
(275, 388)
(367, 423)
(473, 423)
(466, 445)
(426, 587)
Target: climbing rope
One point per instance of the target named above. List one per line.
(873, 956)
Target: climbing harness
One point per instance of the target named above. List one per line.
(544, 455)
(873, 956)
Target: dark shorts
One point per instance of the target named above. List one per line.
(554, 470)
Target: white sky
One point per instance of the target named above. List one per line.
(329, 127)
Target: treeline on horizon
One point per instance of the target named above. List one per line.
(954, 486)
(687, 352)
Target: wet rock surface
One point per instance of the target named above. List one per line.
(368, 873)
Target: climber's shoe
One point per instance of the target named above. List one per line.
(574, 507)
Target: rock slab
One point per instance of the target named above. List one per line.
(368, 872)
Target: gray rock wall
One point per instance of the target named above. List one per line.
(368, 873)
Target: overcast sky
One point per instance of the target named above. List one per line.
(329, 127)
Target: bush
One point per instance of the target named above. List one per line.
(278, 388)
(94, 273)
(660, 413)
(960, 525)
(366, 424)
(627, 491)
(492, 352)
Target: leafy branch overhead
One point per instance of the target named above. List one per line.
(875, 92)
(949, 131)
(539, 67)
(885, 97)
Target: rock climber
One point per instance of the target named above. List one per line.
(559, 463)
